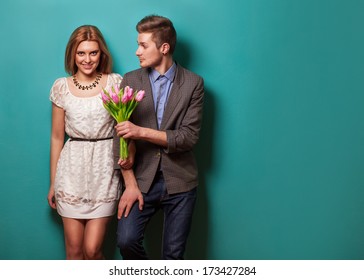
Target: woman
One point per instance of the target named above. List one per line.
(84, 187)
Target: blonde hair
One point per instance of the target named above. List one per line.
(87, 33)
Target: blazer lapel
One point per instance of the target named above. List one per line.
(148, 99)
(174, 97)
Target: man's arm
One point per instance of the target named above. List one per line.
(128, 130)
(177, 140)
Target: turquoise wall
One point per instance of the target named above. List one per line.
(282, 146)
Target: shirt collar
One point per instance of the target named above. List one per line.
(154, 74)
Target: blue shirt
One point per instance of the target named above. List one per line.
(161, 87)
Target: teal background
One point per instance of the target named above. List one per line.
(281, 151)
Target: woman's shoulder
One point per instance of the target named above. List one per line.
(115, 78)
(59, 91)
(59, 85)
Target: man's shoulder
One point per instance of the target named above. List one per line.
(136, 72)
(188, 74)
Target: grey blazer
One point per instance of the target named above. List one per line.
(182, 123)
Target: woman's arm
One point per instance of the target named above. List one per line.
(57, 142)
(131, 194)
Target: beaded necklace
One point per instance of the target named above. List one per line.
(92, 85)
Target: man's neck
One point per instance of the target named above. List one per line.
(165, 65)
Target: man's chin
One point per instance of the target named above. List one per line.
(143, 64)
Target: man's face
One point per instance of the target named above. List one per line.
(147, 52)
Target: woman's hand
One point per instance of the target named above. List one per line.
(131, 194)
(51, 198)
(127, 200)
(126, 163)
(129, 161)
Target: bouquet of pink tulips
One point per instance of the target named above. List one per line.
(120, 103)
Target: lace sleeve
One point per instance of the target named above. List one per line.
(58, 92)
(115, 79)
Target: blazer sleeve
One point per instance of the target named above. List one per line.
(186, 134)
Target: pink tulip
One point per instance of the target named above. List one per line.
(124, 99)
(128, 91)
(114, 97)
(104, 98)
(140, 95)
(128, 95)
(116, 89)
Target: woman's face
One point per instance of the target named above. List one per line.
(87, 57)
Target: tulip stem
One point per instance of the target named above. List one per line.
(124, 153)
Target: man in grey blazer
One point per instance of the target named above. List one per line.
(164, 128)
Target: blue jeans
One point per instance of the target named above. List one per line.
(178, 210)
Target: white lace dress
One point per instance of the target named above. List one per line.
(86, 184)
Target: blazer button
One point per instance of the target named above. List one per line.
(158, 154)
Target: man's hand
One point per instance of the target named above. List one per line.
(128, 130)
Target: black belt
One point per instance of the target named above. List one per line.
(90, 140)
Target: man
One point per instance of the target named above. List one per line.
(165, 127)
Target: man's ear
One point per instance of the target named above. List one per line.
(165, 48)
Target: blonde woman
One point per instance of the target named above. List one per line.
(84, 187)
